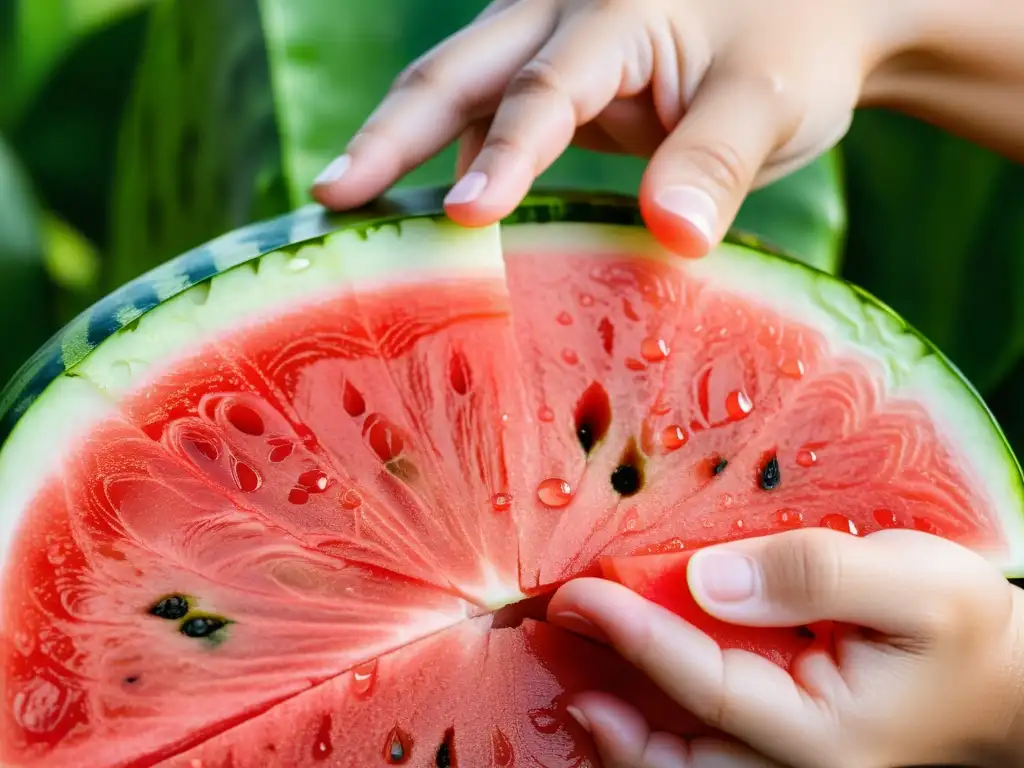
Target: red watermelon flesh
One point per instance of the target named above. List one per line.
(341, 492)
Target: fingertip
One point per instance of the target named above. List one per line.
(482, 197)
(683, 218)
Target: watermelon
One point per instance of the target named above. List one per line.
(300, 496)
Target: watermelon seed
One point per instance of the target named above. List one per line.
(394, 748)
(718, 465)
(352, 401)
(131, 679)
(593, 416)
(805, 632)
(323, 747)
(172, 607)
(403, 469)
(607, 332)
(771, 475)
(628, 478)
(202, 626)
(443, 759)
(246, 420)
(459, 375)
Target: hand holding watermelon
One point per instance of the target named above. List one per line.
(722, 95)
(934, 678)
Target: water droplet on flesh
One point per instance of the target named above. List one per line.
(738, 404)
(570, 357)
(725, 500)
(500, 502)
(673, 437)
(839, 523)
(351, 499)
(501, 749)
(654, 350)
(314, 481)
(806, 458)
(739, 525)
(789, 518)
(363, 678)
(246, 478)
(792, 367)
(245, 420)
(545, 414)
(630, 520)
(322, 745)
(586, 300)
(885, 518)
(554, 492)
(564, 318)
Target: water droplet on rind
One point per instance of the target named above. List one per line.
(554, 492)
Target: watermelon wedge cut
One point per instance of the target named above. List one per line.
(299, 496)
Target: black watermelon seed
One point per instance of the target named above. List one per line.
(443, 759)
(771, 475)
(719, 465)
(132, 679)
(172, 607)
(202, 626)
(396, 753)
(805, 632)
(626, 479)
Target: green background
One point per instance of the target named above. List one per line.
(132, 130)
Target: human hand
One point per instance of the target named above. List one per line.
(723, 95)
(934, 678)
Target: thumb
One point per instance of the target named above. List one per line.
(896, 582)
(699, 176)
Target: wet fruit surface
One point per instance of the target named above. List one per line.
(298, 527)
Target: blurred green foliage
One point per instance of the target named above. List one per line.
(132, 130)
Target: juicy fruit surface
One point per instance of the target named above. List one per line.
(288, 541)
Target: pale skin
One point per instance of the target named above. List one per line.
(724, 96)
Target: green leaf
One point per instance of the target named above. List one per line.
(67, 138)
(42, 32)
(939, 236)
(198, 138)
(23, 284)
(324, 90)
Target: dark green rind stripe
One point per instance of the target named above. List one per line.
(124, 306)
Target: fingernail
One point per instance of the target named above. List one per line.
(581, 626)
(691, 204)
(579, 717)
(725, 577)
(468, 189)
(334, 171)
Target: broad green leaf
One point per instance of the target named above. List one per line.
(23, 284)
(198, 136)
(67, 138)
(44, 31)
(324, 88)
(939, 235)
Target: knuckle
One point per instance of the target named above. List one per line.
(500, 144)
(722, 165)
(802, 570)
(538, 77)
(424, 74)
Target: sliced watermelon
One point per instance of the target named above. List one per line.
(299, 496)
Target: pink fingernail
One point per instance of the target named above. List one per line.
(469, 188)
(725, 577)
(691, 204)
(577, 715)
(334, 171)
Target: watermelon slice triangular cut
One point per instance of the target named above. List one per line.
(298, 497)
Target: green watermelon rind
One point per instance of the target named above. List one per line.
(80, 351)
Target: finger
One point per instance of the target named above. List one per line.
(624, 740)
(699, 177)
(433, 101)
(470, 144)
(901, 583)
(574, 76)
(735, 691)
